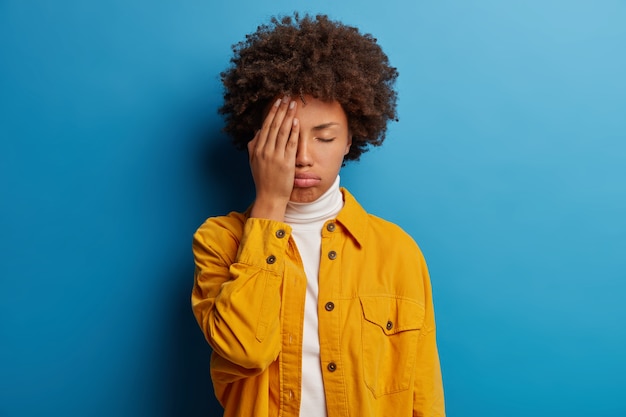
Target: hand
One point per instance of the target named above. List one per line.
(273, 160)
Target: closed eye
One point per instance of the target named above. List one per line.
(325, 139)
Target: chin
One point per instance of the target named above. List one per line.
(304, 195)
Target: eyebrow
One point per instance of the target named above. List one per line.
(325, 126)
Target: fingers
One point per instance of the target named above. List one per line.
(277, 127)
(286, 127)
(261, 137)
(292, 143)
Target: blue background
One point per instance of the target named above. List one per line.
(507, 166)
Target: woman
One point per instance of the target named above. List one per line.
(312, 306)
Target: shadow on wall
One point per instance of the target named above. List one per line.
(223, 175)
(227, 173)
(189, 389)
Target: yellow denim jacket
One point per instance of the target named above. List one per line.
(376, 321)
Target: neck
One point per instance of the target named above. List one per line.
(325, 207)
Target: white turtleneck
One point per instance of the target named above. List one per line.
(306, 221)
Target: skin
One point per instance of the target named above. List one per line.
(297, 154)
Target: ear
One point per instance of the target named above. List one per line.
(348, 144)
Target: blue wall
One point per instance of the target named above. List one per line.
(507, 166)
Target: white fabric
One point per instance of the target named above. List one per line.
(307, 220)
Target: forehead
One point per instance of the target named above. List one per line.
(312, 111)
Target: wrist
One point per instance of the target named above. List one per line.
(269, 209)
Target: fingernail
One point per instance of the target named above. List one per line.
(277, 103)
(292, 104)
(286, 99)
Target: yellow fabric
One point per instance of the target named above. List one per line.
(377, 339)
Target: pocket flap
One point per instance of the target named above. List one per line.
(392, 314)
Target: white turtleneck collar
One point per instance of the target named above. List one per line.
(327, 206)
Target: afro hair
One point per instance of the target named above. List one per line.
(310, 56)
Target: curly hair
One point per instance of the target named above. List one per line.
(310, 56)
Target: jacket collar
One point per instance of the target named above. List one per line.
(353, 217)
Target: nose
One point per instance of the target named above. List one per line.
(303, 154)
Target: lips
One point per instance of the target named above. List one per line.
(305, 180)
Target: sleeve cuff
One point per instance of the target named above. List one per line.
(264, 244)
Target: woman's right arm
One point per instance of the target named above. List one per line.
(237, 290)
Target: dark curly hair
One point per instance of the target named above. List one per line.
(310, 56)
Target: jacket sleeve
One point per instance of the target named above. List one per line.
(236, 297)
(428, 399)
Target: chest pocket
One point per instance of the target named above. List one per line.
(390, 331)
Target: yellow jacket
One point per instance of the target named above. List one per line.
(376, 321)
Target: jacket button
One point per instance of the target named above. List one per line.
(280, 233)
(332, 255)
(270, 259)
(330, 227)
(389, 325)
(332, 367)
(330, 306)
